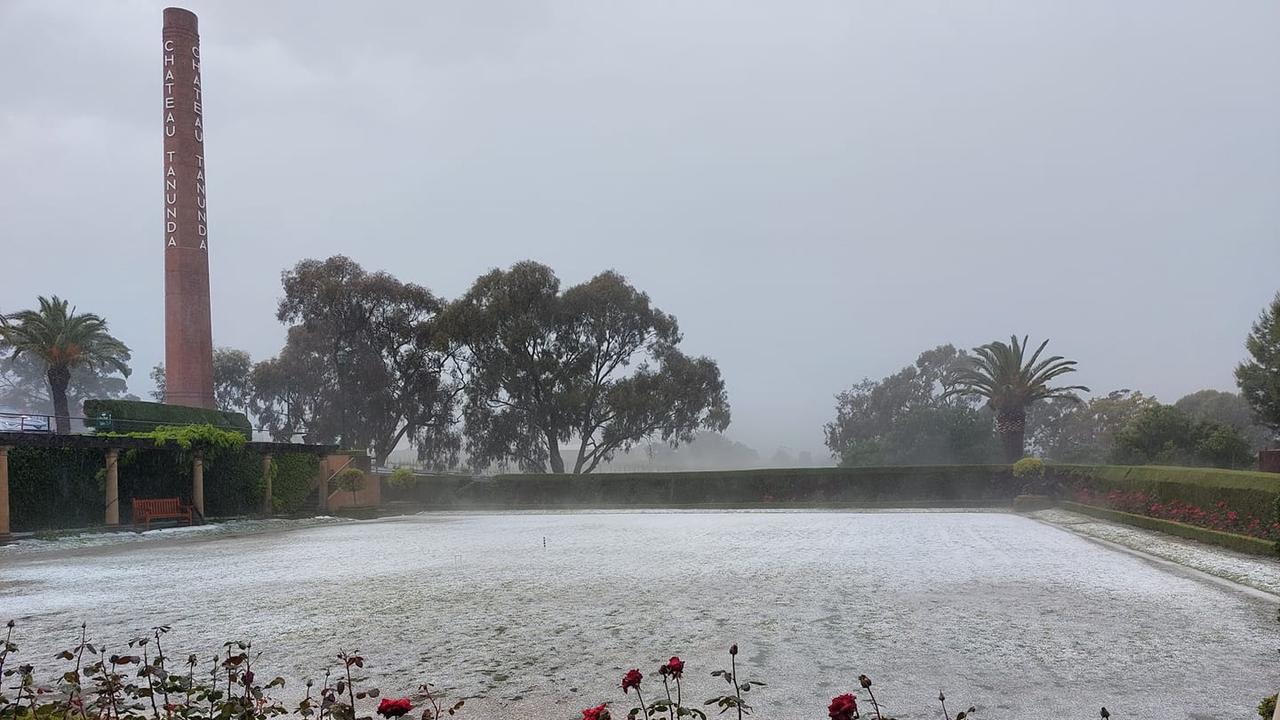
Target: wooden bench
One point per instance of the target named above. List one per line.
(147, 509)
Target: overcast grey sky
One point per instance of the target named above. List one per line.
(817, 190)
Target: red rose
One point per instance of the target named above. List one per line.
(843, 707)
(599, 712)
(631, 680)
(390, 708)
(674, 667)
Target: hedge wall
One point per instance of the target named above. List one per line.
(138, 416)
(943, 485)
(291, 477)
(54, 488)
(1254, 493)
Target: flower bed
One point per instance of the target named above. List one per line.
(1218, 517)
(1230, 501)
(145, 684)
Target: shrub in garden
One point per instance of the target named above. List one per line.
(402, 479)
(351, 480)
(1030, 472)
(1028, 468)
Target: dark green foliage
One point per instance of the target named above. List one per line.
(1259, 377)
(905, 419)
(939, 485)
(1267, 708)
(126, 416)
(597, 365)
(1067, 431)
(291, 477)
(361, 364)
(1230, 409)
(1163, 434)
(233, 483)
(55, 488)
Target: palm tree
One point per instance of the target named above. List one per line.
(999, 374)
(62, 340)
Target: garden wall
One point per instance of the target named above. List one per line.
(916, 486)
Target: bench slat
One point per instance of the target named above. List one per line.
(147, 509)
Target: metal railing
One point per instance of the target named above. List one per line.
(82, 425)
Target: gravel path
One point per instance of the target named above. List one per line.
(1252, 571)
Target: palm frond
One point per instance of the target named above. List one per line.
(1001, 373)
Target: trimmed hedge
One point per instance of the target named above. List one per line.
(1249, 493)
(51, 488)
(124, 416)
(1241, 543)
(291, 477)
(916, 486)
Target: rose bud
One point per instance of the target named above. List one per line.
(631, 680)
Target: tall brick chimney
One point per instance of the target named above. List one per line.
(188, 334)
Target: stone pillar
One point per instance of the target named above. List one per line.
(113, 488)
(197, 484)
(4, 491)
(267, 493)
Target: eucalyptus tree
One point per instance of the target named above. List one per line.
(63, 340)
(361, 364)
(1067, 431)
(907, 418)
(1010, 382)
(596, 365)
